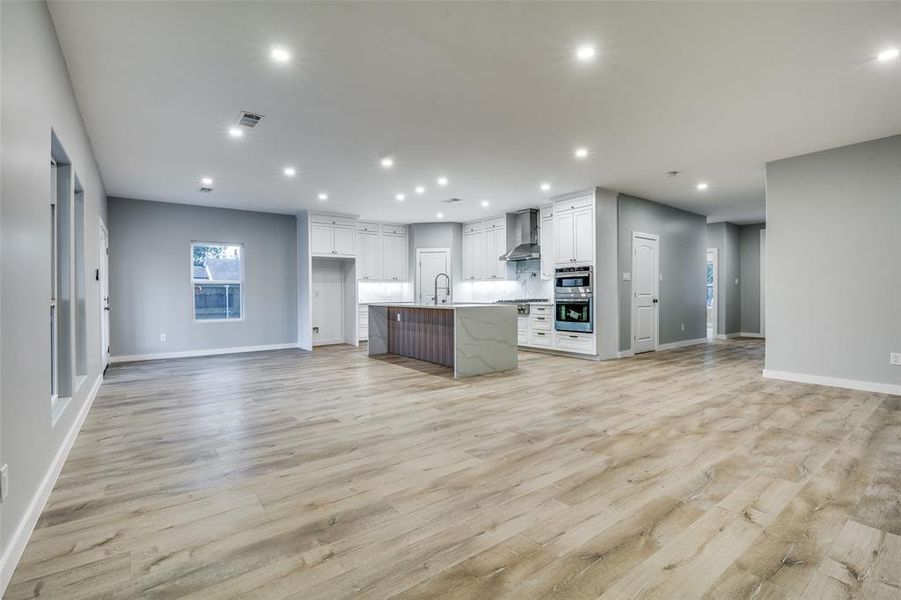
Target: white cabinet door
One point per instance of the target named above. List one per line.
(369, 258)
(472, 256)
(388, 258)
(564, 241)
(344, 241)
(401, 258)
(547, 248)
(583, 234)
(321, 239)
(493, 246)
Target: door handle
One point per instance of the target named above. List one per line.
(106, 308)
(656, 301)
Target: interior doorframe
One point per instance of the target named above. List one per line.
(632, 319)
(762, 286)
(103, 280)
(716, 289)
(418, 274)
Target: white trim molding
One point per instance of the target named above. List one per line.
(727, 336)
(22, 534)
(750, 335)
(193, 353)
(851, 384)
(682, 344)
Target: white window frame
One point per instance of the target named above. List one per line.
(216, 281)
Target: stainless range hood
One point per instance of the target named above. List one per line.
(525, 241)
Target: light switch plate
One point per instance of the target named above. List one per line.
(895, 358)
(627, 276)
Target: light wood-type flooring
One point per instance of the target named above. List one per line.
(681, 474)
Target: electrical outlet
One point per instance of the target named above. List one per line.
(683, 326)
(4, 482)
(398, 316)
(895, 358)
(162, 337)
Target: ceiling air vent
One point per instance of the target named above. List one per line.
(451, 200)
(206, 189)
(249, 119)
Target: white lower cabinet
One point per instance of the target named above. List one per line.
(582, 343)
(363, 322)
(542, 338)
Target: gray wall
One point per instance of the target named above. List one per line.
(750, 277)
(833, 276)
(37, 97)
(727, 238)
(682, 267)
(151, 293)
(438, 235)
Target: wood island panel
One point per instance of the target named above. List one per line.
(422, 333)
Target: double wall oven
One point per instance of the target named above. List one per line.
(573, 299)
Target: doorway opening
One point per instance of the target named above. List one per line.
(712, 292)
(334, 301)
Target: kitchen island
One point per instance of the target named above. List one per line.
(472, 338)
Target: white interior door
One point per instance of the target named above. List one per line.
(328, 302)
(430, 262)
(104, 297)
(645, 291)
(763, 282)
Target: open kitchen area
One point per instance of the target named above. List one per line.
(495, 300)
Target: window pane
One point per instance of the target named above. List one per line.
(217, 262)
(217, 301)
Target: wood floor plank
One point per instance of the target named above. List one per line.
(288, 474)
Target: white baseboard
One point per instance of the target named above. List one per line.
(750, 335)
(727, 336)
(851, 384)
(192, 353)
(625, 354)
(21, 535)
(682, 344)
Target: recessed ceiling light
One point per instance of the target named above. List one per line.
(889, 54)
(585, 53)
(580, 152)
(702, 186)
(545, 186)
(323, 197)
(442, 181)
(206, 181)
(400, 197)
(440, 215)
(235, 132)
(485, 203)
(420, 189)
(387, 162)
(290, 171)
(280, 55)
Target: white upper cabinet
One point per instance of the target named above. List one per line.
(344, 241)
(494, 242)
(472, 256)
(546, 241)
(382, 252)
(395, 257)
(332, 235)
(483, 242)
(574, 230)
(369, 263)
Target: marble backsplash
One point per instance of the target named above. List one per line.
(527, 284)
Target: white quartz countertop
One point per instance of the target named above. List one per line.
(451, 306)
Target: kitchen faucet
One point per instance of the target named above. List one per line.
(447, 289)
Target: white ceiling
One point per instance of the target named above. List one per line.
(488, 94)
